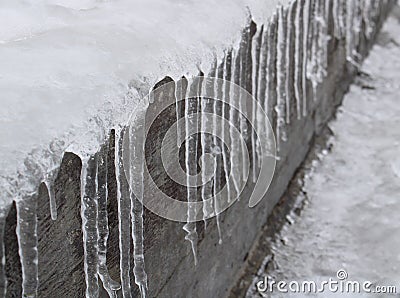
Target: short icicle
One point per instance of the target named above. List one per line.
(52, 198)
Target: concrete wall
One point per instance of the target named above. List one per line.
(169, 261)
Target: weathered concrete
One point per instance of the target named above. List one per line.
(169, 262)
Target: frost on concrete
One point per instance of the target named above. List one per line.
(74, 71)
(350, 217)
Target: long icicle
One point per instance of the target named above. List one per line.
(289, 62)
(233, 119)
(89, 224)
(306, 26)
(271, 73)
(191, 128)
(298, 57)
(136, 176)
(225, 116)
(217, 132)
(123, 218)
(255, 56)
(262, 120)
(206, 140)
(109, 284)
(27, 243)
(281, 76)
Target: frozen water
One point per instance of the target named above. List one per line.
(64, 62)
(350, 220)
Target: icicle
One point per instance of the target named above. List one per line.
(27, 243)
(336, 16)
(89, 224)
(180, 96)
(342, 20)
(350, 41)
(109, 285)
(322, 43)
(314, 67)
(123, 217)
(298, 56)
(136, 176)
(234, 119)
(256, 56)
(288, 59)
(225, 116)
(3, 277)
(206, 141)
(271, 71)
(326, 37)
(218, 145)
(244, 70)
(281, 76)
(306, 22)
(367, 16)
(191, 129)
(358, 17)
(52, 199)
(262, 120)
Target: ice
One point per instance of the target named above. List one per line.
(225, 115)
(244, 68)
(281, 77)
(255, 120)
(207, 166)
(83, 55)
(217, 143)
(102, 223)
(124, 210)
(351, 215)
(27, 243)
(73, 71)
(3, 278)
(233, 118)
(191, 138)
(306, 36)
(290, 40)
(89, 224)
(136, 176)
(298, 58)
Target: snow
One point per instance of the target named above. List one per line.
(65, 62)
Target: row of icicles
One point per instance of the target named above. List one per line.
(286, 54)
